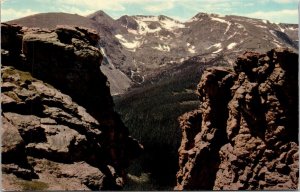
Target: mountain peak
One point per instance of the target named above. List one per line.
(128, 22)
(201, 14)
(99, 13)
(163, 17)
(100, 16)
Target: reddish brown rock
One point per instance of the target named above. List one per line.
(245, 133)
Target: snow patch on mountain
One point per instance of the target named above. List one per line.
(232, 35)
(147, 18)
(219, 20)
(222, 21)
(292, 28)
(240, 26)
(132, 31)
(217, 51)
(171, 24)
(217, 45)
(231, 45)
(227, 28)
(143, 26)
(273, 33)
(130, 45)
(282, 30)
(261, 26)
(138, 37)
(160, 47)
(165, 23)
(191, 48)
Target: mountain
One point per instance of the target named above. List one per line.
(119, 82)
(51, 20)
(102, 18)
(137, 48)
(112, 52)
(154, 43)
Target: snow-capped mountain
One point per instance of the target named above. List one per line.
(152, 43)
(136, 48)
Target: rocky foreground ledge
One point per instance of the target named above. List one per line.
(59, 128)
(244, 136)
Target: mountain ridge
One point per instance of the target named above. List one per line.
(139, 46)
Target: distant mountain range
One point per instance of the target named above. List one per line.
(138, 48)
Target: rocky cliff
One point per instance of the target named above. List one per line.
(60, 131)
(244, 135)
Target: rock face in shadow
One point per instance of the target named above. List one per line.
(244, 136)
(60, 131)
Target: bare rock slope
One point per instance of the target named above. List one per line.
(60, 131)
(245, 133)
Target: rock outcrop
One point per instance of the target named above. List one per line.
(244, 136)
(60, 131)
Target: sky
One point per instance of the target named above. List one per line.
(278, 11)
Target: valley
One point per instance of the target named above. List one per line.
(153, 66)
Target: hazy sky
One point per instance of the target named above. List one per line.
(285, 11)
